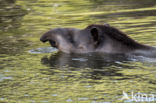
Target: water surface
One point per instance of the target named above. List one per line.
(30, 74)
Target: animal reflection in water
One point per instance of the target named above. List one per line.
(99, 64)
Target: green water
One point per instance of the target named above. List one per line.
(62, 78)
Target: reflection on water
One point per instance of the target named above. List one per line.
(99, 64)
(12, 46)
(90, 60)
(10, 15)
(10, 19)
(38, 77)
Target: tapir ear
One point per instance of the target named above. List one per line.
(95, 34)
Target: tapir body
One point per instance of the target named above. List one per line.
(96, 38)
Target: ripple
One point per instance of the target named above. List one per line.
(43, 50)
(2, 77)
(79, 59)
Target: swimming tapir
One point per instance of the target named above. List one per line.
(96, 38)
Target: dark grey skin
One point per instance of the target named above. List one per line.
(96, 38)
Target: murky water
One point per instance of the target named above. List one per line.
(30, 74)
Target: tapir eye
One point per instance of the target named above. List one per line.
(53, 43)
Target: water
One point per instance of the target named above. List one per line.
(43, 50)
(31, 72)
